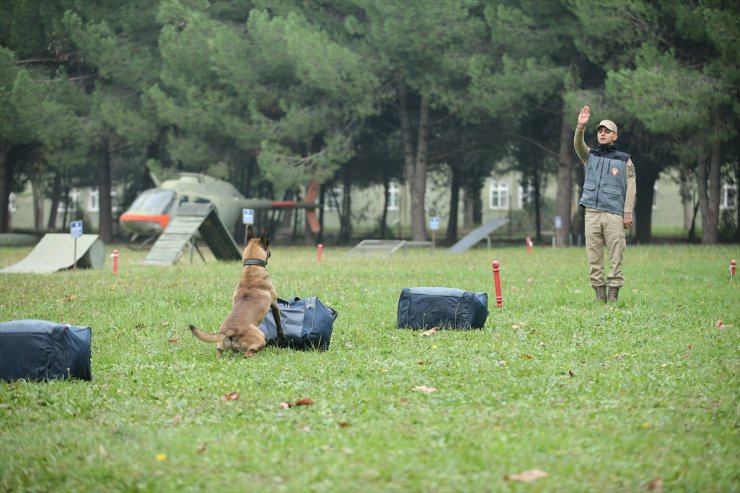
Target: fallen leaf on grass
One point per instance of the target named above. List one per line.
(429, 332)
(526, 476)
(425, 389)
(231, 396)
(721, 325)
(202, 448)
(304, 401)
(175, 340)
(655, 485)
(103, 451)
(69, 297)
(344, 424)
(518, 326)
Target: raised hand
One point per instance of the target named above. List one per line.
(584, 116)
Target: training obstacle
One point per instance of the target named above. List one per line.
(57, 251)
(478, 234)
(192, 218)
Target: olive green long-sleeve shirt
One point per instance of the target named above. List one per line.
(582, 151)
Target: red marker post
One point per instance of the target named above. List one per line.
(114, 256)
(497, 283)
(319, 250)
(732, 267)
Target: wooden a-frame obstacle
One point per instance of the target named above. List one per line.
(192, 218)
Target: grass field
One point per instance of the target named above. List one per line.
(638, 397)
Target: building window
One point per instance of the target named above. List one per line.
(394, 196)
(728, 199)
(498, 195)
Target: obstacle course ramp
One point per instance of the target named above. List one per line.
(192, 218)
(385, 247)
(475, 236)
(56, 251)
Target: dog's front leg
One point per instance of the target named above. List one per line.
(278, 321)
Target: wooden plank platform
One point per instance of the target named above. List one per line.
(192, 218)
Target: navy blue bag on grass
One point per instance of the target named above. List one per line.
(42, 350)
(445, 308)
(307, 324)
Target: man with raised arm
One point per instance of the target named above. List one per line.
(609, 198)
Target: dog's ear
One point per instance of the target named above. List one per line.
(265, 238)
(250, 233)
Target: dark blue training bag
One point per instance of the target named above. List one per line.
(42, 350)
(445, 308)
(307, 324)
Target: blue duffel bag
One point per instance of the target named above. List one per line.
(43, 350)
(307, 324)
(444, 308)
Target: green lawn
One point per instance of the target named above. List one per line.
(600, 398)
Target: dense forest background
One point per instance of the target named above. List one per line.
(270, 94)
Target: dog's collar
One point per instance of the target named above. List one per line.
(254, 261)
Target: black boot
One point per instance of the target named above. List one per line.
(600, 294)
(613, 295)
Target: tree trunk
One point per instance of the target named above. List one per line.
(710, 226)
(564, 200)
(38, 204)
(105, 203)
(6, 180)
(686, 199)
(536, 202)
(451, 236)
(56, 192)
(737, 202)
(643, 213)
(384, 214)
(415, 164)
(468, 207)
(709, 189)
(345, 229)
(322, 201)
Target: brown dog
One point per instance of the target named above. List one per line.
(254, 295)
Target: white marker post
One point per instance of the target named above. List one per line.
(247, 218)
(434, 226)
(75, 230)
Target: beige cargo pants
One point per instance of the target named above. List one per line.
(605, 229)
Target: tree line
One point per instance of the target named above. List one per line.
(271, 94)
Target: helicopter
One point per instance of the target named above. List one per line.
(151, 212)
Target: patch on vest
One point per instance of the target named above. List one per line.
(614, 171)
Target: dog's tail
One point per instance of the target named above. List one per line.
(207, 336)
